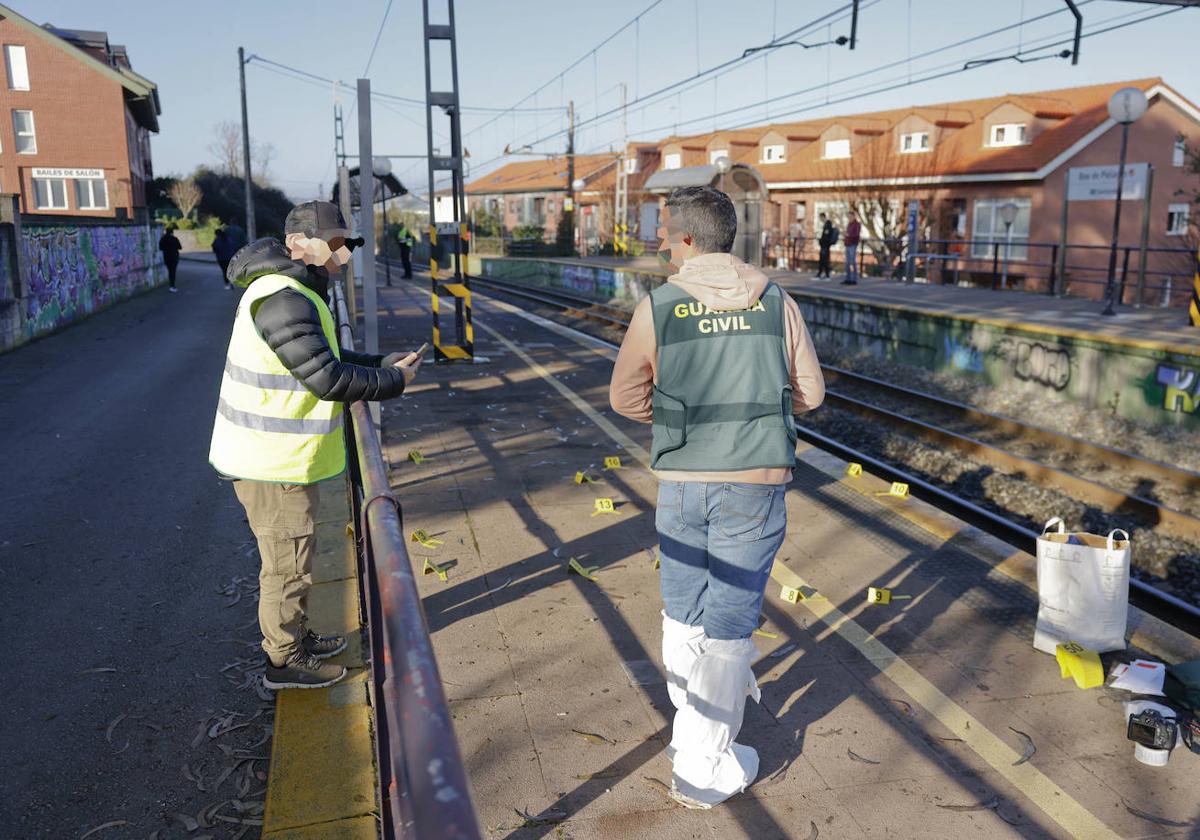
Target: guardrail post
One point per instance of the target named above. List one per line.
(995, 265)
(1124, 272)
(1050, 286)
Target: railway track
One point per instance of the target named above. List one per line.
(976, 434)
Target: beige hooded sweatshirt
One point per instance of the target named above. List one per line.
(723, 282)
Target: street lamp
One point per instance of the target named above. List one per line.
(577, 186)
(1008, 215)
(723, 164)
(1126, 106)
(381, 167)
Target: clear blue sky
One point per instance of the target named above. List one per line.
(507, 49)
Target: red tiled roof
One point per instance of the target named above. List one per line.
(548, 174)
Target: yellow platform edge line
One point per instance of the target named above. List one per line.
(1031, 782)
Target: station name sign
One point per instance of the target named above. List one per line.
(39, 172)
(1099, 183)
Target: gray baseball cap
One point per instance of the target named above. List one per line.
(317, 220)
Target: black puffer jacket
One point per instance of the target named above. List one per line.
(289, 323)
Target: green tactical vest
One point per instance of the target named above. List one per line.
(723, 400)
(269, 427)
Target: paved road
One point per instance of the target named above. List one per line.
(115, 538)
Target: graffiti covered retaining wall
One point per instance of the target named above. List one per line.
(1149, 383)
(72, 271)
(616, 286)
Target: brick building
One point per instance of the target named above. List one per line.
(76, 124)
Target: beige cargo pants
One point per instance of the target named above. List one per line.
(283, 518)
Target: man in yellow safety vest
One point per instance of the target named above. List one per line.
(278, 427)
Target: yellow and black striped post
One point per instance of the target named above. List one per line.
(464, 352)
(1194, 306)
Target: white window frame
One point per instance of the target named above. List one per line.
(1178, 151)
(50, 194)
(18, 134)
(17, 65)
(673, 160)
(774, 153)
(631, 165)
(914, 142)
(837, 147)
(1015, 134)
(91, 193)
(715, 155)
(981, 239)
(1177, 219)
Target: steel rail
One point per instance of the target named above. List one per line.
(424, 791)
(1145, 596)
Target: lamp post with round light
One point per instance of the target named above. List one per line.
(1125, 106)
(723, 164)
(577, 186)
(1008, 214)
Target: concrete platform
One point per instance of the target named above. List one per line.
(904, 721)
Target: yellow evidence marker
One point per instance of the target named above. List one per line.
(795, 596)
(898, 489)
(612, 462)
(349, 529)
(1080, 664)
(415, 456)
(879, 595)
(604, 506)
(420, 536)
(853, 470)
(766, 633)
(581, 478)
(433, 568)
(587, 572)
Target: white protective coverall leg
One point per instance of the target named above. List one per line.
(682, 643)
(708, 766)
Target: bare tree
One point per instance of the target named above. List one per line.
(226, 147)
(261, 155)
(185, 194)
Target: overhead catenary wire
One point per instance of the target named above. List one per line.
(367, 71)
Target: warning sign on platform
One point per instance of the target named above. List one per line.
(1099, 183)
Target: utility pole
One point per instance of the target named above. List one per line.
(576, 227)
(621, 199)
(366, 215)
(250, 232)
(348, 270)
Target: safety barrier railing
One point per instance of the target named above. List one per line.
(424, 792)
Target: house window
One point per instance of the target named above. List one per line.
(512, 207)
(1177, 219)
(18, 70)
(539, 210)
(91, 194)
(631, 165)
(837, 149)
(1179, 151)
(672, 160)
(23, 128)
(716, 155)
(50, 193)
(914, 143)
(772, 154)
(1008, 134)
(549, 205)
(989, 229)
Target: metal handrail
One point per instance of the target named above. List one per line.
(423, 786)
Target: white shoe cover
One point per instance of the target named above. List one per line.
(681, 645)
(708, 766)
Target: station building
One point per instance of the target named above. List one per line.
(55, 81)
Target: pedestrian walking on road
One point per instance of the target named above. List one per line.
(224, 247)
(825, 241)
(170, 246)
(853, 235)
(719, 360)
(405, 238)
(278, 427)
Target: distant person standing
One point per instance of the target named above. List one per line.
(853, 235)
(825, 241)
(170, 246)
(224, 248)
(405, 238)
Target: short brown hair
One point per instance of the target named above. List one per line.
(707, 215)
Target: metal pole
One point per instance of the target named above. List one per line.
(1061, 280)
(366, 210)
(1007, 251)
(1110, 286)
(387, 240)
(251, 233)
(344, 202)
(1145, 237)
(575, 214)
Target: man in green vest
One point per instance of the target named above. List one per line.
(278, 427)
(405, 238)
(718, 359)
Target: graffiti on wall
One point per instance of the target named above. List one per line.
(1032, 361)
(962, 355)
(589, 280)
(1181, 389)
(76, 270)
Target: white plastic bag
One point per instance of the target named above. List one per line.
(1083, 589)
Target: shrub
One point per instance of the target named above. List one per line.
(529, 232)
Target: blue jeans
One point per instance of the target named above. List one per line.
(852, 263)
(717, 543)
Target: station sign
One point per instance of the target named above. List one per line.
(447, 228)
(42, 172)
(1099, 183)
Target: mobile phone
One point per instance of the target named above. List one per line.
(423, 349)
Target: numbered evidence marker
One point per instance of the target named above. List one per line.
(415, 456)
(587, 572)
(853, 470)
(433, 568)
(898, 489)
(581, 477)
(604, 506)
(612, 462)
(420, 536)
(1079, 663)
(793, 595)
(879, 595)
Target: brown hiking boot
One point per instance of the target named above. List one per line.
(322, 647)
(302, 670)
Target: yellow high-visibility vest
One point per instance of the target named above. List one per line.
(269, 427)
